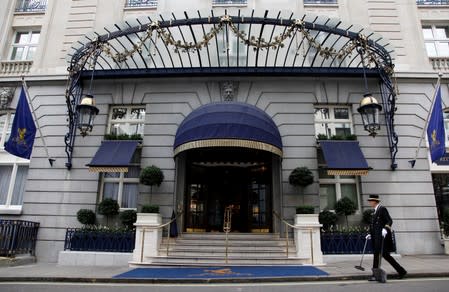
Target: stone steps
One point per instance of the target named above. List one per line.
(210, 249)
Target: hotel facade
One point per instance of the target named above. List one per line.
(229, 97)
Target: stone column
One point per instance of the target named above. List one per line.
(308, 239)
(148, 237)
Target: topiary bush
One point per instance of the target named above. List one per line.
(305, 209)
(151, 176)
(108, 207)
(128, 218)
(300, 176)
(345, 206)
(150, 209)
(86, 216)
(327, 218)
(367, 216)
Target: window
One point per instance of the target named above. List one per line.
(127, 120)
(333, 121)
(320, 1)
(432, 2)
(436, 39)
(31, 5)
(5, 127)
(123, 186)
(141, 3)
(229, 2)
(13, 172)
(24, 45)
(333, 188)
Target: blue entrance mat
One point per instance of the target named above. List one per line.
(222, 272)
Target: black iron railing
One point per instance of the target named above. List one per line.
(344, 243)
(100, 240)
(31, 5)
(18, 237)
(141, 3)
(320, 1)
(229, 2)
(432, 2)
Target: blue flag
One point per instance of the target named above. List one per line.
(23, 130)
(435, 129)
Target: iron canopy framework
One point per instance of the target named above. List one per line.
(244, 42)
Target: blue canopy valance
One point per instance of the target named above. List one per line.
(228, 124)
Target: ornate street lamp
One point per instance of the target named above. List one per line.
(369, 110)
(86, 114)
(369, 107)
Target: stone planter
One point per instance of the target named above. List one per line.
(308, 239)
(148, 219)
(148, 237)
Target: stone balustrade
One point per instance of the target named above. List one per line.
(15, 68)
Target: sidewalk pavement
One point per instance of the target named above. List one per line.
(417, 267)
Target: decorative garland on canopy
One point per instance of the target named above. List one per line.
(297, 27)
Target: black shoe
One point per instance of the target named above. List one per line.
(372, 278)
(402, 274)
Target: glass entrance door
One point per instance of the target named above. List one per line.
(219, 178)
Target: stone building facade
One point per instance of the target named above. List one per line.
(37, 40)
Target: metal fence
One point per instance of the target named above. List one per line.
(344, 243)
(432, 2)
(98, 240)
(18, 237)
(141, 3)
(31, 5)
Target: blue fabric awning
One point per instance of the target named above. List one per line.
(228, 124)
(344, 158)
(113, 156)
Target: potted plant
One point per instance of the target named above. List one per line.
(305, 214)
(346, 207)
(108, 207)
(328, 219)
(300, 176)
(445, 225)
(149, 214)
(150, 176)
(86, 216)
(128, 218)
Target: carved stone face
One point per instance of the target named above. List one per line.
(6, 95)
(228, 91)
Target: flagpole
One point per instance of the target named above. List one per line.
(25, 87)
(412, 162)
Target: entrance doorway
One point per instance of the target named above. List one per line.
(221, 177)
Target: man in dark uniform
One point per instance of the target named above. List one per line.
(380, 230)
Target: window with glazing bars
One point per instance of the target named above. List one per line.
(432, 2)
(31, 5)
(320, 1)
(229, 2)
(141, 3)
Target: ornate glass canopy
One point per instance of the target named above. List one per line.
(233, 43)
(230, 43)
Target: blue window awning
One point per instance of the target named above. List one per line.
(113, 156)
(344, 158)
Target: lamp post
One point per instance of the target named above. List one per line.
(86, 114)
(369, 110)
(369, 107)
